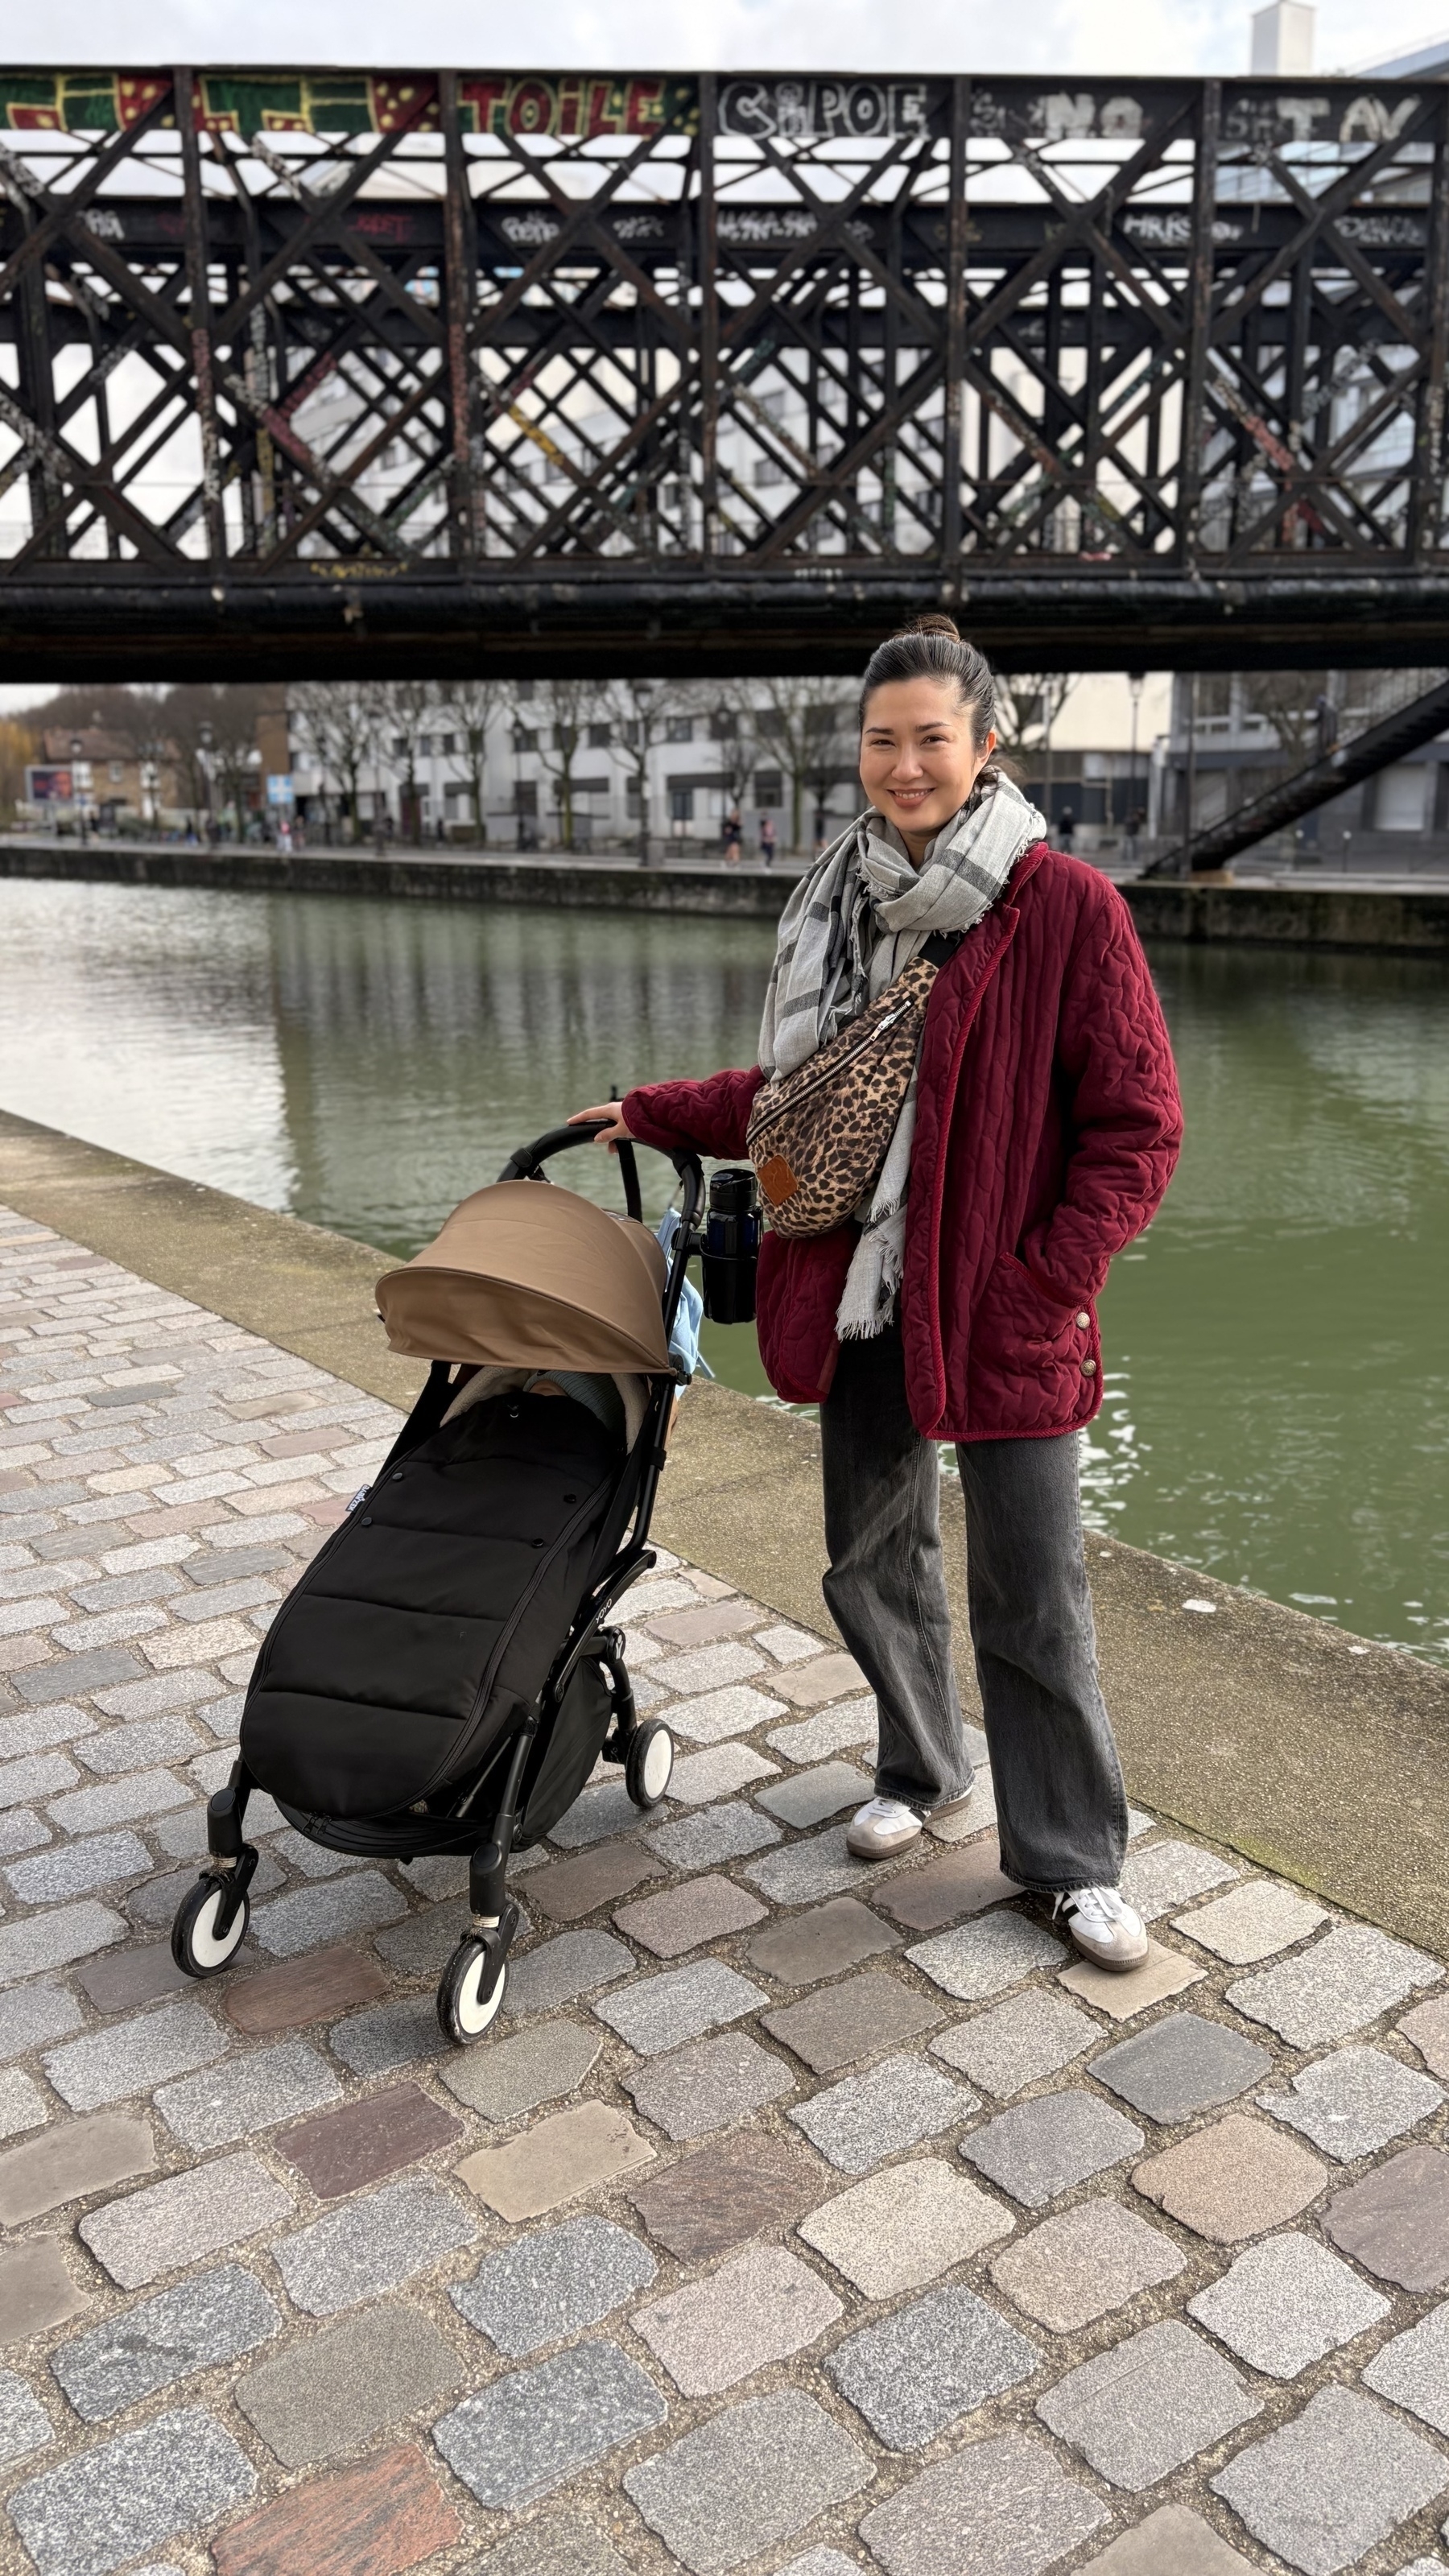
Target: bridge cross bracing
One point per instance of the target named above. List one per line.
(328, 372)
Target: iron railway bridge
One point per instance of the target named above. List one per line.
(322, 373)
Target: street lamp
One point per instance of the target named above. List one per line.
(205, 738)
(1134, 688)
(643, 691)
(77, 749)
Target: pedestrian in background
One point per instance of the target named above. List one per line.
(1036, 1138)
(767, 839)
(733, 834)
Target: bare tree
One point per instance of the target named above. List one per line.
(1290, 701)
(640, 710)
(565, 709)
(18, 744)
(1028, 704)
(730, 715)
(471, 709)
(805, 727)
(212, 725)
(340, 723)
(406, 712)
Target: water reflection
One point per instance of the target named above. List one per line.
(1277, 1397)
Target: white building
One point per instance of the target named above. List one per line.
(557, 769)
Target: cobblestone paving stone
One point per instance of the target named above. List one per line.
(553, 2283)
(352, 2380)
(708, 2087)
(922, 2368)
(287, 2280)
(759, 2308)
(214, 2318)
(1285, 2303)
(1148, 2405)
(1355, 2101)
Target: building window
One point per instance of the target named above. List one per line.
(525, 796)
(1399, 799)
(769, 787)
(769, 470)
(600, 736)
(679, 729)
(117, 772)
(681, 806)
(523, 739)
(724, 725)
(399, 746)
(450, 745)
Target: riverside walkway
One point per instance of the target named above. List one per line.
(1410, 915)
(802, 2217)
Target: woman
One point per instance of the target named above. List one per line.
(1037, 1138)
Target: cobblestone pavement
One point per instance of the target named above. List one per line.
(800, 2216)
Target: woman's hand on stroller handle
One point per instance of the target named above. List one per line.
(614, 1132)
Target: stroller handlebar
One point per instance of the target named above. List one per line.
(527, 1161)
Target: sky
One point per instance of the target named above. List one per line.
(1127, 36)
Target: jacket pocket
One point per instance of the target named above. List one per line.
(1024, 1312)
(1034, 1365)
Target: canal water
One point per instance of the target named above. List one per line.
(1277, 1379)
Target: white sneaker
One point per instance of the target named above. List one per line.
(883, 1826)
(1103, 1925)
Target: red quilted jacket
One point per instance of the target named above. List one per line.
(1047, 1126)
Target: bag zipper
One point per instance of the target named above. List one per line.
(830, 1072)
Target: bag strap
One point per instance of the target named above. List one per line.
(942, 945)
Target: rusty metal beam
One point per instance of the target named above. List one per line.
(734, 369)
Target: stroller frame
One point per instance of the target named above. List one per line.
(212, 1918)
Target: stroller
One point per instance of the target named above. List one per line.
(443, 1677)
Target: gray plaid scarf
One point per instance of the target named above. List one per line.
(854, 923)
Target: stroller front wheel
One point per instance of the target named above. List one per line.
(198, 1946)
(465, 2009)
(649, 1763)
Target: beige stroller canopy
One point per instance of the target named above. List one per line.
(528, 1275)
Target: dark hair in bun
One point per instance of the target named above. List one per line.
(933, 648)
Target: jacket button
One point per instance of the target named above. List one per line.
(1089, 1368)
(1084, 1323)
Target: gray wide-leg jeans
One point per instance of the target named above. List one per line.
(1061, 1806)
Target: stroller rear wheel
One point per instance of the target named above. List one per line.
(203, 1941)
(466, 2003)
(649, 1762)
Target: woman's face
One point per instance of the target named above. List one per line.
(918, 759)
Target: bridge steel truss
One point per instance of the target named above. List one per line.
(321, 373)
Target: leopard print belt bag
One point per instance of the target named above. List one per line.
(818, 1136)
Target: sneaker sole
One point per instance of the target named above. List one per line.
(885, 1848)
(1109, 1959)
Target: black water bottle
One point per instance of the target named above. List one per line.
(731, 1247)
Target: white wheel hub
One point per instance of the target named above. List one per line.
(476, 2010)
(657, 1764)
(207, 1948)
